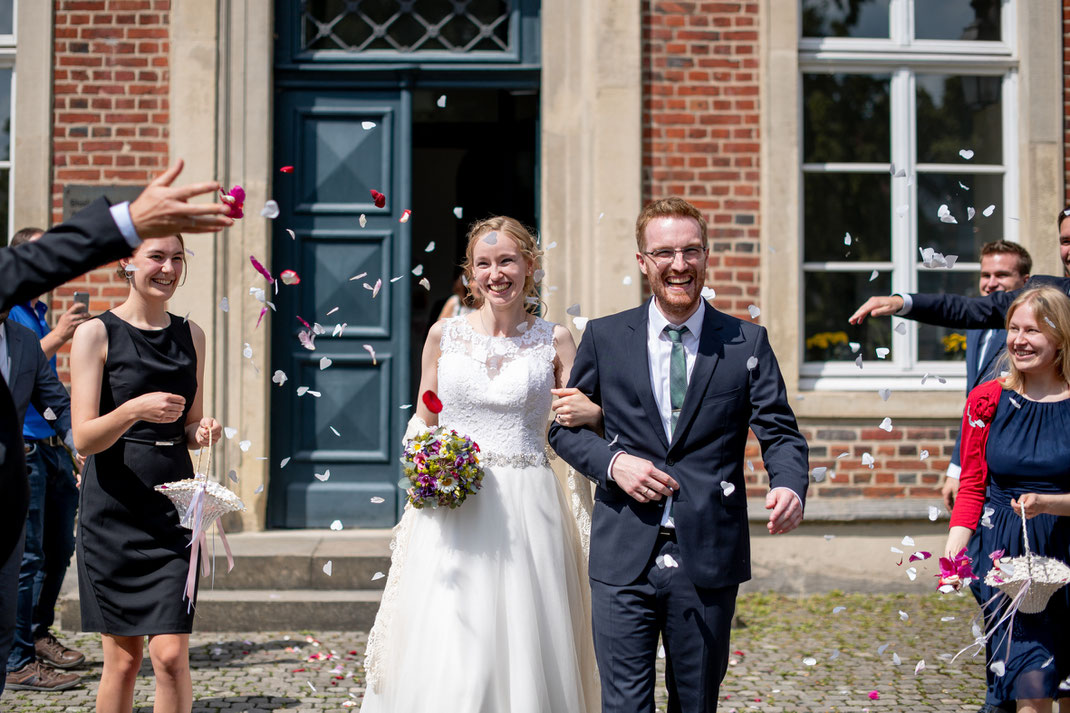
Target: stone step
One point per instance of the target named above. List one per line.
(261, 610)
(288, 559)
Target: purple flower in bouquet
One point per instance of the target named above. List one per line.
(956, 572)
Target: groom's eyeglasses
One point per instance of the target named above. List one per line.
(665, 256)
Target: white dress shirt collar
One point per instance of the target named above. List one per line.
(657, 321)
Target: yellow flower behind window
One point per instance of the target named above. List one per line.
(954, 342)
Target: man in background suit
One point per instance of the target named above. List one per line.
(1005, 267)
(30, 380)
(679, 384)
(94, 236)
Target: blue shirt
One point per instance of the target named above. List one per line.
(35, 427)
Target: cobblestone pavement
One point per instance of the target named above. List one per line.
(792, 654)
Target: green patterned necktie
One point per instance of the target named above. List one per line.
(677, 373)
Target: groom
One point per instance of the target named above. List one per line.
(679, 384)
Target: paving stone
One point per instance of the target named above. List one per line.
(272, 671)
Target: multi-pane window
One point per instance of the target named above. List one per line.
(908, 154)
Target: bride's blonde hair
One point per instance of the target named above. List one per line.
(525, 242)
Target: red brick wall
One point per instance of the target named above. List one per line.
(700, 130)
(110, 113)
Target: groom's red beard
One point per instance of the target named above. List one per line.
(683, 297)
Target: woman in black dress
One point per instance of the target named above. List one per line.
(136, 405)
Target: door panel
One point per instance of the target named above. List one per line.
(337, 163)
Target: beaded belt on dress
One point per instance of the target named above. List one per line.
(515, 460)
(162, 442)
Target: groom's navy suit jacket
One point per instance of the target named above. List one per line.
(723, 399)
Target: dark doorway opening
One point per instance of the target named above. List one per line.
(477, 153)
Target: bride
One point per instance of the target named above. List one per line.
(487, 606)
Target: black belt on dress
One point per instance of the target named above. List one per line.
(161, 442)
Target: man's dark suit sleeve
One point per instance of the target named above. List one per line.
(784, 450)
(49, 393)
(88, 240)
(974, 312)
(583, 448)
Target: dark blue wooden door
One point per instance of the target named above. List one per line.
(343, 144)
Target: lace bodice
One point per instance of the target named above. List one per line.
(497, 389)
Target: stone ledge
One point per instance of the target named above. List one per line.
(857, 509)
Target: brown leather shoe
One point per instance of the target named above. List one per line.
(57, 655)
(38, 677)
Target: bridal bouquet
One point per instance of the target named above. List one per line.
(441, 468)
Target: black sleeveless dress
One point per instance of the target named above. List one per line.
(133, 554)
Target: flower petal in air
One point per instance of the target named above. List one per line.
(431, 401)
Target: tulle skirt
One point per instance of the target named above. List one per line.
(486, 607)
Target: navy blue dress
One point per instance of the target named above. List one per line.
(1028, 451)
(133, 555)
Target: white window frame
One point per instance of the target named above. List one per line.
(903, 58)
(7, 61)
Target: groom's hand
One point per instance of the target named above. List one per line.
(640, 479)
(787, 511)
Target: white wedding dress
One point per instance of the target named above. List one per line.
(487, 606)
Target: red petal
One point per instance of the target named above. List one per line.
(431, 402)
(286, 169)
(261, 269)
(378, 198)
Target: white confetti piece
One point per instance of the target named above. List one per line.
(293, 235)
(247, 351)
(754, 311)
(970, 212)
(750, 465)
(855, 346)
(829, 538)
(819, 474)
(867, 459)
(752, 362)
(552, 245)
(245, 446)
(328, 568)
(987, 212)
(458, 211)
(363, 220)
(270, 210)
(49, 414)
(728, 487)
(335, 431)
(441, 102)
(376, 500)
(908, 541)
(837, 610)
(375, 290)
(903, 616)
(377, 575)
(896, 550)
(284, 461)
(1014, 402)
(627, 280)
(538, 275)
(491, 238)
(325, 362)
(368, 348)
(966, 153)
(580, 322)
(923, 455)
(873, 275)
(885, 394)
(302, 390)
(882, 648)
(882, 352)
(896, 661)
(336, 525)
(418, 270)
(901, 328)
(919, 667)
(233, 475)
(395, 279)
(259, 489)
(367, 125)
(224, 304)
(666, 561)
(810, 661)
(573, 310)
(847, 239)
(998, 668)
(912, 573)
(708, 293)
(425, 283)
(229, 432)
(405, 215)
(902, 210)
(661, 651)
(886, 425)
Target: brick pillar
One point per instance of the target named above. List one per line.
(110, 116)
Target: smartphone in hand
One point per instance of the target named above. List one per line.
(83, 298)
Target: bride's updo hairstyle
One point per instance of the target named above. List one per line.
(529, 248)
(1051, 309)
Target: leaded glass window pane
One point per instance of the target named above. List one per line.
(957, 20)
(404, 26)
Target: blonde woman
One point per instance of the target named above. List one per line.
(487, 607)
(1015, 442)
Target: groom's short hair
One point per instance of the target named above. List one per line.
(671, 207)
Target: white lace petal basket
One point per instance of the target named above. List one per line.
(1040, 576)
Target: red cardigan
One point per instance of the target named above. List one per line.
(976, 419)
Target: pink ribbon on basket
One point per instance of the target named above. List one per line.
(199, 542)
